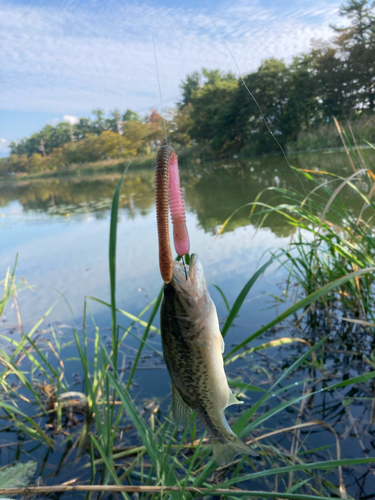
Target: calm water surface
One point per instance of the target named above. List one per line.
(60, 229)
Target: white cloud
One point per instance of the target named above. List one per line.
(65, 119)
(70, 119)
(72, 58)
(4, 145)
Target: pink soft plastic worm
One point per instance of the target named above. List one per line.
(168, 191)
(177, 208)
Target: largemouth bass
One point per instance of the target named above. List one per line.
(193, 347)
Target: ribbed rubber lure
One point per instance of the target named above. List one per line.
(169, 196)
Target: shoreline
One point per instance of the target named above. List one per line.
(116, 167)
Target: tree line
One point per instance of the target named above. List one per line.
(217, 114)
(332, 80)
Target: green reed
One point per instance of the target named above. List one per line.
(12, 285)
(329, 241)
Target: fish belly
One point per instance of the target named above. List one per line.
(193, 354)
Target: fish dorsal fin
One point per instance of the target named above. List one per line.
(232, 400)
(181, 411)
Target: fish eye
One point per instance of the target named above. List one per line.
(169, 291)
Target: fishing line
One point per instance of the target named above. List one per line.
(258, 106)
(157, 74)
(183, 263)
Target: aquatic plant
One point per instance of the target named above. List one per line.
(12, 284)
(329, 239)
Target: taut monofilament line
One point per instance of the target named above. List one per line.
(159, 86)
(258, 106)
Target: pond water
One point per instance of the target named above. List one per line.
(60, 229)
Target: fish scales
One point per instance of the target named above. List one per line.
(192, 347)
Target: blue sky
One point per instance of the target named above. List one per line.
(66, 58)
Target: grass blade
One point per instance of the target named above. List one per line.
(112, 265)
(300, 305)
(165, 474)
(242, 295)
(145, 335)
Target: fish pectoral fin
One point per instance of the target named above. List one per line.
(222, 344)
(232, 400)
(196, 342)
(181, 411)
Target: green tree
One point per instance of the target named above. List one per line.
(189, 86)
(82, 128)
(361, 31)
(52, 137)
(331, 88)
(210, 118)
(283, 96)
(180, 126)
(214, 118)
(214, 76)
(138, 134)
(91, 149)
(269, 87)
(197, 80)
(356, 46)
(99, 123)
(303, 104)
(113, 122)
(131, 116)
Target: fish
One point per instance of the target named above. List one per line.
(193, 351)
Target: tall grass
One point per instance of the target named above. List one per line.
(329, 240)
(362, 130)
(12, 285)
(161, 461)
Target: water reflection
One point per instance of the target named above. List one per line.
(212, 191)
(78, 195)
(70, 253)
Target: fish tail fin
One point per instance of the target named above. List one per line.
(226, 451)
